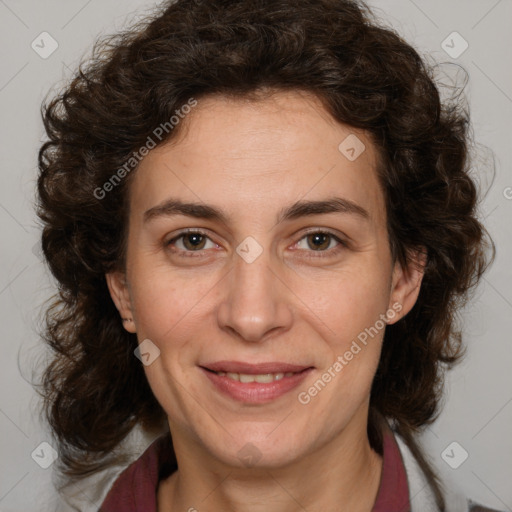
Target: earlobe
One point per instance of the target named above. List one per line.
(118, 288)
(406, 282)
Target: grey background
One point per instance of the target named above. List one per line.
(478, 408)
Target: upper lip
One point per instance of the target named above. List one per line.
(254, 369)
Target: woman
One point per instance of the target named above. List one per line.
(262, 224)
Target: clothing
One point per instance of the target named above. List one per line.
(132, 488)
(135, 489)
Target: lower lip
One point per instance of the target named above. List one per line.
(255, 392)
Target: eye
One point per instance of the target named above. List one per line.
(194, 241)
(191, 241)
(320, 241)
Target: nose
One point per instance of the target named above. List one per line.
(256, 304)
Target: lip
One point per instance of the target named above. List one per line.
(254, 369)
(255, 392)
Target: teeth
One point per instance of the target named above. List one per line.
(264, 378)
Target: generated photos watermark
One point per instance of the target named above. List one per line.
(305, 397)
(158, 133)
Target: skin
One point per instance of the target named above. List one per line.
(294, 303)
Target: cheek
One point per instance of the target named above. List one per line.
(168, 311)
(345, 309)
(165, 301)
(345, 314)
(344, 303)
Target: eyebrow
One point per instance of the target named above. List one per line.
(299, 209)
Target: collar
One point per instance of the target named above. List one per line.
(88, 494)
(136, 487)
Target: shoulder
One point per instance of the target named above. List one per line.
(139, 455)
(422, 497)
(136, 487)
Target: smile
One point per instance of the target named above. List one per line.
(263, 378)
(255, 388)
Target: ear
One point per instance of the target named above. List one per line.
(406, 283)
(118, 288)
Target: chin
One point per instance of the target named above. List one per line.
(261, 449)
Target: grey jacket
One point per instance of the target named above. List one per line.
(421, 495)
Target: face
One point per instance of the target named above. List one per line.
(283, 260)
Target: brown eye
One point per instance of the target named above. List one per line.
(193, 241)
(317, 244)
(319, 241)
(190, 242)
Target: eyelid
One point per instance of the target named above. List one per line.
(343, 243)
(325, 231)
(186, 231)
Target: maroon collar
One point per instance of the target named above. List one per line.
(135, 489)
(394, 489)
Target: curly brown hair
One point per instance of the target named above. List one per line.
(366, 77)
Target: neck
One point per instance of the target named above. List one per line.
(343, 471)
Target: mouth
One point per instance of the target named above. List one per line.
(262, 378)
(255, 383)
(240, 367)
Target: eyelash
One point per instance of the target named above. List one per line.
(194, 254)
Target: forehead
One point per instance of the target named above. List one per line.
(242, 155)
